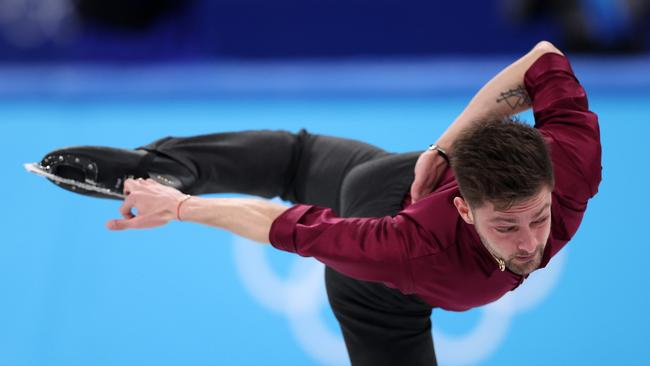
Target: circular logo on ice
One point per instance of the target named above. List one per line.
(301, 298)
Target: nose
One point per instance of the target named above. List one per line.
(527, 241)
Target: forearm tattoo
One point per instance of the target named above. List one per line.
(515, 97)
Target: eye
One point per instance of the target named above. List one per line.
(506, 229)
(540, 221)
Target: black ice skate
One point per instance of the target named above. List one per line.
(101, 171)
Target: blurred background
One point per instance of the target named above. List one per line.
(124, 73)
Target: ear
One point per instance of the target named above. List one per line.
(463, 210)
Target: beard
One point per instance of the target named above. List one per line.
(524, 267)
(518, 266)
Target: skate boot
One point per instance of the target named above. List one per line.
(99, 171)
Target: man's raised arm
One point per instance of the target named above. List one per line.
(504, 95)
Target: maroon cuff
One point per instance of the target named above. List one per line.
(283, 227)
(547, 62)
(550, 78)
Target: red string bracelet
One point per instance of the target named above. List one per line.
(178, 208)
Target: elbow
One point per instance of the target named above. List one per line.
(547, 47)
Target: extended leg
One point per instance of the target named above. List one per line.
(301, 168)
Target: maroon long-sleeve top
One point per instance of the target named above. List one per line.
(427, 249)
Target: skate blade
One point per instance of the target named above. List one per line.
(88, 185)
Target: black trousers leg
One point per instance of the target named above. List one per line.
(300, 168)
(381, 326)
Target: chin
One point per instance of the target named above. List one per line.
(525, 272)
(527, 268)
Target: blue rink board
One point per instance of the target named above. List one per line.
(74, 293)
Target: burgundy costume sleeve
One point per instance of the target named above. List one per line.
(370, 249)
(571, 131)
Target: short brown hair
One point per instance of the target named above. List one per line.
(502, 161)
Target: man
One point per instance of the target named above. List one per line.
(514, 196)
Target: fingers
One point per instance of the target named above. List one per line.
(426, 176)
(114, 225)
(134, 223)
(130, 184)
(134, 199)
(419, 188)
(126, 207)
(138, 222)
(415, 189)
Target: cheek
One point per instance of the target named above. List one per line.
(543, 232)
(503, 238)
(501, 242)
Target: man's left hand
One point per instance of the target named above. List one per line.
(428, 172)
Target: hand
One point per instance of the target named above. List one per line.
(156, 205)
(428, 171)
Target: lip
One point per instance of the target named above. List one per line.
(526, 258)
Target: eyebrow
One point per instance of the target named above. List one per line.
(514, 221)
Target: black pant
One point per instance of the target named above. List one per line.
(380, 325)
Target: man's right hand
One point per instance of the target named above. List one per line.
(155, 203)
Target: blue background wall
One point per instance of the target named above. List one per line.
(54, 30)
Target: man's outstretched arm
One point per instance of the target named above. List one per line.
(504, 95)
(371, 249)
(157, 204)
